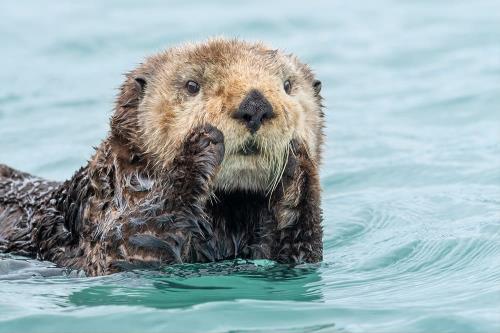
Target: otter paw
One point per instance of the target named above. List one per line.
(297, 151)
(206, 140)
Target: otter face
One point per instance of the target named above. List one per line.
(259, 98)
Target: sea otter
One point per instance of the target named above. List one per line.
(213, 154)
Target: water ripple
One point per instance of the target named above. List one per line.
(411, 174)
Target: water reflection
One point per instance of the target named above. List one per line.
(186, 285)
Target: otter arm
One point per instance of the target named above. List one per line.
(298, 233)
(169, 225)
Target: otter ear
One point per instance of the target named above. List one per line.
(132, 91)
(316, 87)
(140, 82)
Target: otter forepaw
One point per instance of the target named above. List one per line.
(206, 141)
(296, 156)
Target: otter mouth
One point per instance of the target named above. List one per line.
(249, 148)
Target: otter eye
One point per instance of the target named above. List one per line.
(287, 86)
(192, 87)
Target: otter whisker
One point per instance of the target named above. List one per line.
(281, 166)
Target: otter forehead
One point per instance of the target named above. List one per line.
(222, 54)
(233, 60)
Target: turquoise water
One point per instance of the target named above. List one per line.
(411, 176)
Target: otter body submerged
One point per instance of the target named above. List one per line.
(213, 154)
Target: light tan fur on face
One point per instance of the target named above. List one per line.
(227, 70)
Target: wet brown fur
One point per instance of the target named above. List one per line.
(169, 184)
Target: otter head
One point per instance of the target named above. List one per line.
(261, 99)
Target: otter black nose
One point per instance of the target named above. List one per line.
(254, 110)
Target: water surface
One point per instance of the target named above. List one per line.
(411, 172)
